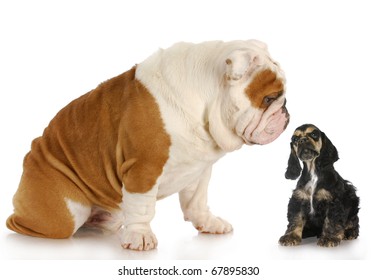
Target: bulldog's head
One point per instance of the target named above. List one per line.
(253, 100)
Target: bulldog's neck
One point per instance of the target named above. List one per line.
(198, 90)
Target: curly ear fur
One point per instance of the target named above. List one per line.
(293, 165)
(328, 154)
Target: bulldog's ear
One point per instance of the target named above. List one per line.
(241, 61)
(293, 165)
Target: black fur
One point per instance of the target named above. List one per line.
(293, 166)
(333, 213)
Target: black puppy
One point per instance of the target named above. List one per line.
(323, 203)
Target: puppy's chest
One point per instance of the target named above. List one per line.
(313, 194)
(310, 189)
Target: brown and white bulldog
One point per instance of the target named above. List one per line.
(157, 129)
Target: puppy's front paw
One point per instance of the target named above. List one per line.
(329, 241)
(214, 225)
(290, 240)
(138, 239)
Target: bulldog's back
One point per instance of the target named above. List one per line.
(80, 141)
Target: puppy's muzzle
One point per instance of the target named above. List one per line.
(305, 150)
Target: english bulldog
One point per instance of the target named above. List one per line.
(157, 129)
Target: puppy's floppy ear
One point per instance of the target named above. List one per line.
(328, 154)
(241, 61)
(293, 165)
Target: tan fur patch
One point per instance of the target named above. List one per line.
(299, 225)
(264, 84)
(323, 194)
(302, 194)
(309, 129)
(111, 136)
(333, 228)
(146, 148)
(301, 133)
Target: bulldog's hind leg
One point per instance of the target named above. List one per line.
(48, 206)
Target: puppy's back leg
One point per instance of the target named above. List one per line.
(352, 224)
(48, 204)
(352, 228)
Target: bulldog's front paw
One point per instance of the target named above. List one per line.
(138, 239)
(212, 224)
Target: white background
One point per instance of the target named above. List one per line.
(51, 52)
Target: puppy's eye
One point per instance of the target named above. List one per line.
(315, 135)
(294, 139)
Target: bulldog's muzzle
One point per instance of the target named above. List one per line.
(271, 127)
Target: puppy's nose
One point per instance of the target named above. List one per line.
(303, 140)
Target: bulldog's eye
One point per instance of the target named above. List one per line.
(268, 100)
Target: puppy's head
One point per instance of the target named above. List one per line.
(309, 144)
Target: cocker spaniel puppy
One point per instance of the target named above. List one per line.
(323, 204)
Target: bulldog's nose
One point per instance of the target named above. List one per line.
(303, 140)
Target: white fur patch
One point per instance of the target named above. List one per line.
(193, 202)
(311, 185)
(79, 212)
(138, 210)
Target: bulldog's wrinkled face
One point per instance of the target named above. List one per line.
(307, 142)
(270, 118)
(260, 110)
